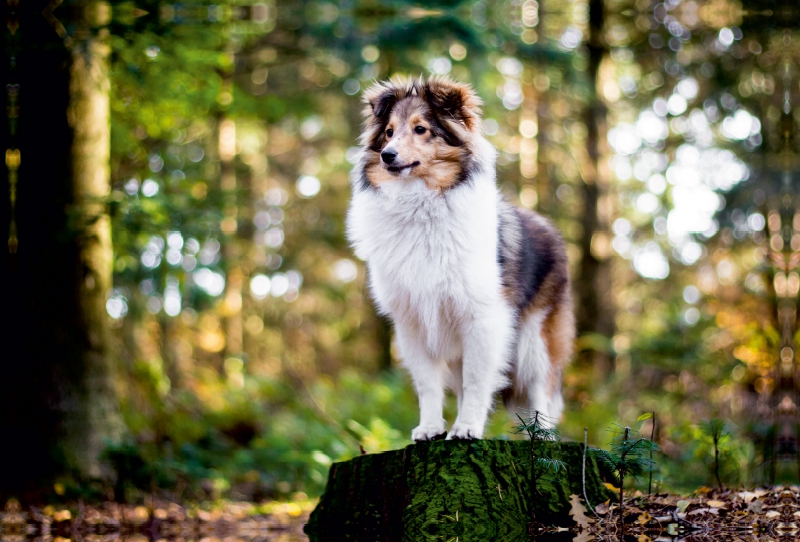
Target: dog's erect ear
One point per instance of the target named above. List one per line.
(455, 101)
(380, 98)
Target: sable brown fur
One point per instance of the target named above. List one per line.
(559, 336)
(535, 272)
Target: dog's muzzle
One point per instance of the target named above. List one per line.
(388, 156)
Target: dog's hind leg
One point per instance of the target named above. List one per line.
(529, 389)
(558, 332)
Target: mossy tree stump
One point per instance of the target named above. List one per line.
(473, 490)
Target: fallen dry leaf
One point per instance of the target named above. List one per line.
(755, 507)
(578, 512)
(747, 496)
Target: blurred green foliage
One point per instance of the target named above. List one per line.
(249, 450)
(251, 357)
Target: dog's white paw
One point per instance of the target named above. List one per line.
(463, 431)
(427, 432)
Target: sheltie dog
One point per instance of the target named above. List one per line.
(477, 289)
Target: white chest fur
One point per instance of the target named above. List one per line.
(432, 258)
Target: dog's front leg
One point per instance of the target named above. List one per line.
(429, 383)
(486, 351)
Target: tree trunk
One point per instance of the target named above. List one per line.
(595, 310)
(57, 403)
(231, 249)
(91, 410)
(473, 490)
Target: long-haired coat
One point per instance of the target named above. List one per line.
(477, 289)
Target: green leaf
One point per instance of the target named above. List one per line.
(645, 416)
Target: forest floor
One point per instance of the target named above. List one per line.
(158, 520)
(709, 515)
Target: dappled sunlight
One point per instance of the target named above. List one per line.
(247, 354)
(244, 252)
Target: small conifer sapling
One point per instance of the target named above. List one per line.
(630, 455)
(539, 430)
(716, 430)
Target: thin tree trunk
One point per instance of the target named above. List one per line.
(534, 488)
(622, 473)
(621, 506)
(716, 462)
(595, 306)
(231, 248)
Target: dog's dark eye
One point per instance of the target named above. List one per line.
(420, 129)
(389, 132)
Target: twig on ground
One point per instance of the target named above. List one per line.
(652, 435)
(583, 473)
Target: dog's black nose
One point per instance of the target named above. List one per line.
(388, 156)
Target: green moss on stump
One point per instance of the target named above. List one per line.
(415, 493)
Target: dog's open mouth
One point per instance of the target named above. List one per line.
(402, 169)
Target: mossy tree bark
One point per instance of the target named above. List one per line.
(473, 490)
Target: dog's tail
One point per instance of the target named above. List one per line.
(544, 347)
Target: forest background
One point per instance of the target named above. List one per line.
(184, 313)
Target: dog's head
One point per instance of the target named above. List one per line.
(423, 128)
